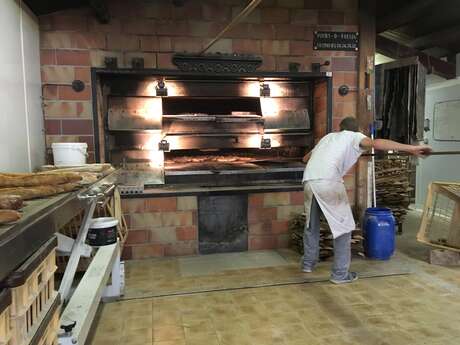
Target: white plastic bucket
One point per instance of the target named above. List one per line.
(67, 154)
(102, 231)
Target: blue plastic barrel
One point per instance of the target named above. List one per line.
(379, 233)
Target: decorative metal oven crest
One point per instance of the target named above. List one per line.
(217, 63)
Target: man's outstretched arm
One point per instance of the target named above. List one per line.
(389, 145)
(306, 157)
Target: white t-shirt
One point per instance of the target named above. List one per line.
(333, 156)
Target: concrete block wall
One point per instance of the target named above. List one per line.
(168, 226)
(281, 31)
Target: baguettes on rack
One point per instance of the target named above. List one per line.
(31, 180)
(27, 193)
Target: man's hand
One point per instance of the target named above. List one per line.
(420, 150)
(306, 157)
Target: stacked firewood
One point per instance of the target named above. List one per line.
(392, 185)
(326, 241)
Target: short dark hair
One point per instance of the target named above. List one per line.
(349, 124)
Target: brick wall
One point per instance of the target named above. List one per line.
(161, 227)
(280, 31)
(168, 226)
(268, 217)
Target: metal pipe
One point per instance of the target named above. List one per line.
(244, 13)
(434, 153)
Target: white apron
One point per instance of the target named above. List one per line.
(332, 198)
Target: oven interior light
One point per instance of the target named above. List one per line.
(163, 145)
(161, 89)
(264, 90)
(265, 143)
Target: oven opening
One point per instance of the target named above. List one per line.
(211, 105)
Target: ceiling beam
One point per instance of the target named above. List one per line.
(439, 38)
(404, 15)
(396, 51)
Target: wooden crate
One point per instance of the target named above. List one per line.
(32, 291)
(5, 322)
(47, 332)
(440, 225)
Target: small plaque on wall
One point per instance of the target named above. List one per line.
(334, 40)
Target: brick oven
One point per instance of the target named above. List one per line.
(166, 222)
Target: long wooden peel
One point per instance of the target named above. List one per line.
(432, 153)
(243, 14)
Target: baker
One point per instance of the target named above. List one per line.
(324, 190)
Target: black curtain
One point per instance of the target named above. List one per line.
(399, 121)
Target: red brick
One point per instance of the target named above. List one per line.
(256, 200)
(239, 31)
(181, 248)
(275, 15)
(47, 57)
(262, 242)
(297, 198)
(204, 29)
(79, 127)
(318, 4)
(122, 42)
(172, 28)
(113, 26)
(301, 48)
(91, 157)
(84, 109)
(304, 17)
(262, 31)
(190, 10)
(160, 204)
(52, 127)
(345, 4)
(62, 22)
(290, 32)
(187, 44)
(127, 253)
(344, 64)
(253, 17)
(83, 74)
(268, 63)
(50, 92)
(58, 74)
(256, 215)
(88, 139)
(149, 43)
(331, 18)
(291, 3)
(52, 40)
(280, 226)
(67, 93)
(282, 62)
(216, 12)
(60, 109)
(164, 60)
(263, 228)
(138, 237)
(351, 79)
(89, 40)
(246, 46)
(150, 59)
(187, 233)
(138, 26)
(350, 109)
(148, 251)
(277, 47)
(133, 205)
(73, 57)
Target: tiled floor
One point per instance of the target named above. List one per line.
(408, 309)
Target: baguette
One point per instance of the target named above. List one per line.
(10, 202)
(40, 179)
(27, 193)
(8, 216)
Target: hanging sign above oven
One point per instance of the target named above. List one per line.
(334, 40)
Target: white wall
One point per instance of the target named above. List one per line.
(438, 168)
(22, 139)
